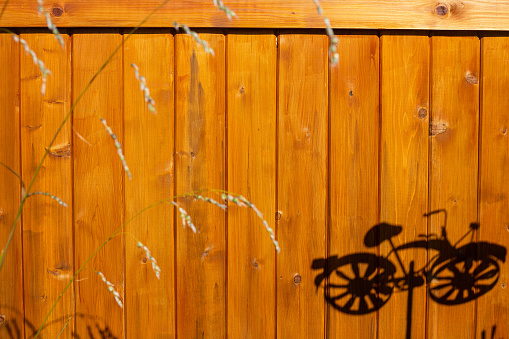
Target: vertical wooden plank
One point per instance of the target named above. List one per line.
(493, 308)
(453, 170)
(355, 130)
(11, 275)
(150, 302)
(47, 226)
(302, 153)
(251, 97)
(98, 181)
(404, 172)
(200, 152)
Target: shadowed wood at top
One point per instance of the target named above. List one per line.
(380, 14)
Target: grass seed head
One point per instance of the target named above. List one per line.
(155, 267)
(44, 71)
(111, 289)
(118, 147)
(146, 92)
(57, 199)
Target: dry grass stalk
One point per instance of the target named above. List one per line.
(118, 147)
(143, 86)
(57, 199)
(333, 52)
(112, 290)
(37, 61)
(195, 36)
(49, 23)
(155, 267)
(243, 202)
(184, 216)
(220, 6)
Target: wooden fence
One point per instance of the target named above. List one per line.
(345, 163)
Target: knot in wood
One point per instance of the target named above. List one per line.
(55, 272)
(436, 128)
(442, 9)
(206, 252)
(471, 78)
(278, 216)
(423, 112)
(57, 11)
(2, 319)
(297, 279)
(60, 151)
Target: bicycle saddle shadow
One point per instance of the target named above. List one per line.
(381, 232)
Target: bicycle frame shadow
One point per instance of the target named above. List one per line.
(360, 283)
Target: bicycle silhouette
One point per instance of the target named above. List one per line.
(361, 283)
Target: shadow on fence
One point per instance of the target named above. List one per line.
(361, 283)
(12, 328)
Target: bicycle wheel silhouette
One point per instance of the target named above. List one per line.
(359, 283)
(459, 280)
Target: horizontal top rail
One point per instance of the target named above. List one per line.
(492, 15)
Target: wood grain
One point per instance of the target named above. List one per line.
(302, 140)
(253, 120)
(404, 169)
(454, 163)
(150, 303)
(381, 14)
(354, 133)
(11, 275)
(493, 308)
(200, 164)
(47, 226)
(98, 182)
(251, 97)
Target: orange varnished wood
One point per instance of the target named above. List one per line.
(354, 136)
(200, 152)
(98, 182)
(253, 120)
(404, 169)
(150, 302)
(302, 140)
(383, 14)
(11, 276)
(47, 226)
(251, 97)
(493, 308)
(453, 165)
